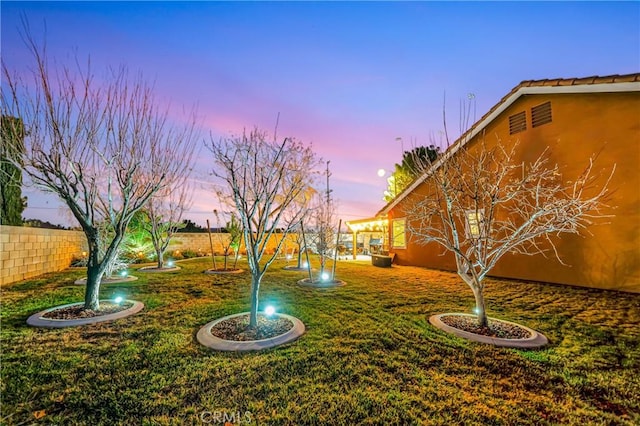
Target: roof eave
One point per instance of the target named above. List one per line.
(627, 86)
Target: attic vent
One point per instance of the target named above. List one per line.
(517, 123)
(541, 114)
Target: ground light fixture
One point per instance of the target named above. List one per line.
(170, 263)
(269, 311)
(118, 300)
(123, 273)
(324, 276)
(305, 265)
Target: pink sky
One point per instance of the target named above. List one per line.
(350, 78)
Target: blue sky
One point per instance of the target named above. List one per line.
(349, 77)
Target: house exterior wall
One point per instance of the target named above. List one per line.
(582, 124)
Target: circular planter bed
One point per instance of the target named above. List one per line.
(223, 271)
(108, 280)
(306, 282)
(279, 329)
(500, 333)
(73, 315)
(296, 268)
(156, 269)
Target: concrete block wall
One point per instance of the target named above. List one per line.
(29, 252)
(199, 242)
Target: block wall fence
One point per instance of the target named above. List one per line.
(28, 252)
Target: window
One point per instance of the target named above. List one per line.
(398, 233)
(474, 221)
(517, 123)
(541, 114)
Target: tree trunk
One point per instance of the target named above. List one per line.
(480, 308)
(235, 261)
(160, 254)
(255, 290)
(95, 271)
(299, 257)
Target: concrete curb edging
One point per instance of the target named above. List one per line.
(207, 339)
(83, 281)
(295, 268)
(536, 340)
(37, 319)
(155, 269)
(219, 272)
(327, 284)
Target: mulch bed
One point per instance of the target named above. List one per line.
(78, 311)
(237, 328)
(496, 328)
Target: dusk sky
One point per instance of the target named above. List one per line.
(350, 78)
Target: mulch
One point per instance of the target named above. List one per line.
(237, 328)
(79, 312)
(499, 329)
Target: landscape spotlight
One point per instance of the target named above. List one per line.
(324, 276)
(269, 310)
(118, 300)
(170, 264)
(123, 273)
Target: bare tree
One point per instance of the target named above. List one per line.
(265, 179)
(104, 148)
(228, 239)
(323, 233)
(480, 203)
(162, 215)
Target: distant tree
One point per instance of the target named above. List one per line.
(409, 169)
(37, 223)
(324, 227)
(103, 148)
(323, 233)
(190, 226)
(162, 215)
(481, 204)
(234, 232)
(12, 203)
(264, 180)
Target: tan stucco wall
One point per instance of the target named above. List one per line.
(583, 124)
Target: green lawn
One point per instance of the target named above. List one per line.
(369, 355)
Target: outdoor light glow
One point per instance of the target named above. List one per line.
(123, 273)
(170, 264)
(305, 265)
(476, 310)
(289, 257)
(324, 276)
(381, 172)
(118, 300)
(84, 254)
(269, 310)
